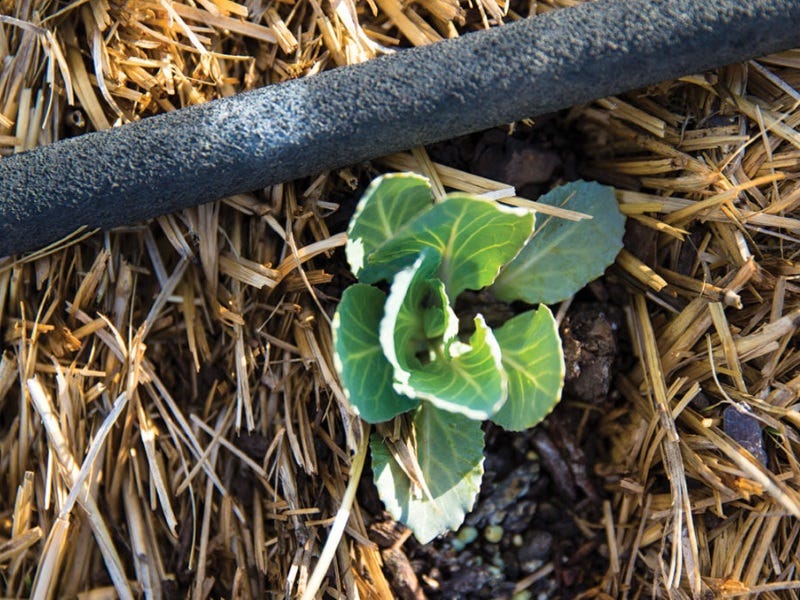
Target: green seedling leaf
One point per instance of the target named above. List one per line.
(474, 237)
(450, 456)
(563, 256)
(534, 362)
(359, 359)
(417, 316)
(389, 203)
(462, 378)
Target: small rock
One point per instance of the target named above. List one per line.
(589, 340)
(507, 499)
(745, 429)
(470, 578)
(519, 516)
(465, 536)
(515, 161)
(537, 546)
(493, 534)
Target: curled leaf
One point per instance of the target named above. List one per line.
(462, 378)
(417, 316)
(359, 359)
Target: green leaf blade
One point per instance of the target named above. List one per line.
(563, 256)
(451, 461)
(416, 313)
(475, 238)
(534, 361)
(389, 203)
(358, 356)
(471, 381)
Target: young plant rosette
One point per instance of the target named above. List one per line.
(400, 355)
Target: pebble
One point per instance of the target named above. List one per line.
(504, 499)
(744, 428)
(464, 537)
(493, 534)
(531, 566)
(536, 548)
(518, 517)
(538, 544)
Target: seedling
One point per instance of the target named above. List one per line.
(402, 358)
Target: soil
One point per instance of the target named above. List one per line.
(535, 531)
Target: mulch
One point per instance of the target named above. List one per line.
(170, 418)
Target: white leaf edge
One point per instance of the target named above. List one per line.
(354, 247)
(454, 350)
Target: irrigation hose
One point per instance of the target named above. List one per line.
(354, 113)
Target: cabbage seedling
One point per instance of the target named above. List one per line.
(399, 351)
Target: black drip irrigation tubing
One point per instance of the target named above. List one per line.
(355, 113)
